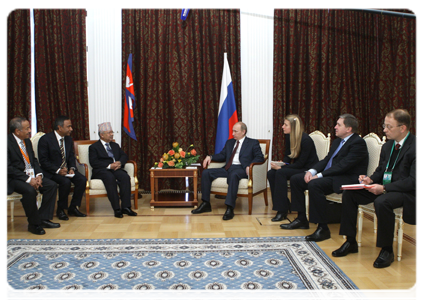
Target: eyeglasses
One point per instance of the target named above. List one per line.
(389, 127)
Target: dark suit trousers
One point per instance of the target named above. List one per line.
(113, 179)
(279, 187)
(317, 189)
(29, 200)
(233, 175)
(79, 182)
(384, 206)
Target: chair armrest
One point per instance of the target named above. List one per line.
(82, 168)
(258, 175)
(215, 164)
(130, 168)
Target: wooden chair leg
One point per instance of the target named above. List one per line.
(306, 202)
(136, 199)
(87, 202)
(250, 203)
(265, 197)
(12, 210)
(360, 226)
(400, 237)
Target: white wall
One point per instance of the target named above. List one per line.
(104, 41)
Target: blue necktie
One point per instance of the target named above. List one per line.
(334, 153)
(109, 150)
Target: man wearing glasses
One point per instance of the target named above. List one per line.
(107, 160)
(392, 185)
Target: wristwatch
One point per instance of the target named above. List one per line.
(384, 190)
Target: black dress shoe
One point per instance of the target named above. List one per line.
(296, 224)
(385, 259)
(280, 216)
(36, 229)
(319, 235)
(204, 207)
(229, 214)
(73, 211)
(60, 213)
(346, 248)
(118, 213)
(128, 211)
(49, 224)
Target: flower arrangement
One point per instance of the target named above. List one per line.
(177, 157)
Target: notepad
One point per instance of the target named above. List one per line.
(355, 186)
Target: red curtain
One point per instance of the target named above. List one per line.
(329, 62)
(61, 69)
(177, 72)
(19, 64)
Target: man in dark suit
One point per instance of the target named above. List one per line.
(347, 158)
(107, 160)
(392, 185)
(238, 154)
(25, 177)
(57, 158)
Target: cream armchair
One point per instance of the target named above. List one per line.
(254, 185)
(322, 144)
(95, 187)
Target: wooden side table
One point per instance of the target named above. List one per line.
(172, 199)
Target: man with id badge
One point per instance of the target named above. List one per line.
(25, 177)
(392, 185)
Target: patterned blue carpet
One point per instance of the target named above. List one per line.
(268, 263)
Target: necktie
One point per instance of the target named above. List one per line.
(25, 156)
(334, 153)
(397, 146)
(229, 164)
(62, 152)
(109, 150)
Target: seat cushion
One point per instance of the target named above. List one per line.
(220, 185)
(97, 184)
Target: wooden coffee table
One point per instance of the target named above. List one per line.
(172, 199)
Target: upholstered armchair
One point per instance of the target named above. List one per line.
(95, 187)
(322, 144)
(254, 185)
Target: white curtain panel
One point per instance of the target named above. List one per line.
(257, 73)
(104, 40)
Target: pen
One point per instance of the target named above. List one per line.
(363, 177)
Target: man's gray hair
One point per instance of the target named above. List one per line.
(16, 123)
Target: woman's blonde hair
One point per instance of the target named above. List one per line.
(296, 134)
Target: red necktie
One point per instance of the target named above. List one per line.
(397, 146)
(229, 164)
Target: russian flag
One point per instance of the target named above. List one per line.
(128, 112)
(227, 109)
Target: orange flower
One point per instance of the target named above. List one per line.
(161, 159)
(175, 144)
(160, 165)
(165, 156)
(171, 152)
(177, 155)
(193, 152)
(182, 153)
(171, 163)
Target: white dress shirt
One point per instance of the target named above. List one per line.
(236, 156)
(18, 140)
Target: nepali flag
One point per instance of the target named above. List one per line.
(227, 110)
(128, 113)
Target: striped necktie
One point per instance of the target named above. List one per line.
(229, 164)
(109, 150)
(25, 153)
(62, 152)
